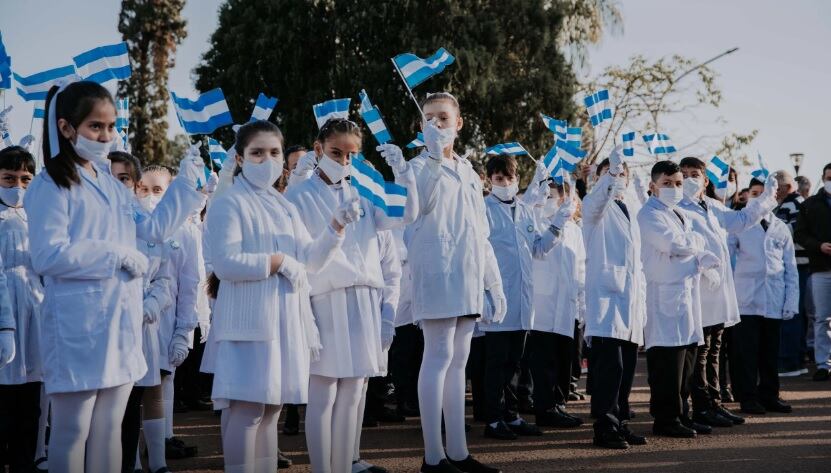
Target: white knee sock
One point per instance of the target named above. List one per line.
(344, 418)
(167, 402)
(104, 440)
(356, 455)
(71, 416)
(438, 353)
(240, 435)
(322, 391)
(453, 404)
(154, 431)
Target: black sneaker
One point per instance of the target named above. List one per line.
(699, 428)
(444, 466)
(821, 375)
(610, 439)
(368, 467)
(726, 395)
(724, 412)
(556, 418)
(673, 430)
(390, 415)
(712, 418)
(525, 429)
(778, 405)
(752, 407)
(631, 438)
(500, 432)
(407, 409)
(470, 465)
(283, 461)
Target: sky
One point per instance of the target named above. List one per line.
(776, 82)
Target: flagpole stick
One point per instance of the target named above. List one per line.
(409, 90)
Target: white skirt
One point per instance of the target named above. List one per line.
(152, 356)
(349, 321)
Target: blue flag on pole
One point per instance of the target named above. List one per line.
(597, 106)
(418, 142)
(203, 115)
(335, 108)
(415, 70)
(628, 140)
(263, 107)
(36, 86)
(658, 143)
(370, 184)
(374, 121)
(512, 148)
(104, 63)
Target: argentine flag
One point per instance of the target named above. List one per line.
(761, 173)
(370, 184)
(628, 140)
(122, 110)
(104, 63)
(5, 66)
(415, 70)
(203, 115)
(335, 108)
(717, 172)
(263, 107)
(658, 143)
(569, 153)
(374, 121)
(418, 142)
(36, 86)
(513, 148)
(216, 152)
(597, 106)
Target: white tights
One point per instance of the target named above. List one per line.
(356, 454)
(87, 421)
(167, 403)
(441, 386)
(249, 437)
(331, 418)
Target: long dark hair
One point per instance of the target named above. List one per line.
(74, 104)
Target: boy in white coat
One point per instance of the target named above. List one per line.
(767, 284)
(673, 257)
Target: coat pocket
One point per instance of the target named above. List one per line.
(672, 299)
(613, 279)
(440, 251)
(78, 309)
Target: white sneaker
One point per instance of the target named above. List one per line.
(791, 374)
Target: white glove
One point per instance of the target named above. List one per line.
(4, 125)
(295, 272)
(152, 311)
(707, 260)
(7, 347)
(712, 278)
(133, 262)
(437, 139)
(639, 186)
(564, 213)
(540, 173)
(307, 163)
(616, 161)
(698, 242)
(348, 212)
(191, 167)
(393, 156)
(788, 315)
(212, 184)
(771, 186)
(387, 334)
(204, 330)
(500, 304)
(178, 350)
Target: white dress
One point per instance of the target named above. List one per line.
(156, 285)
(26, 297)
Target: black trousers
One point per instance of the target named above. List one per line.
(577, 357)
(612, 373)
(19, 417)
(725, 368)
(705, 388)
(405, 362)
(131, 430)
(475, 371)
(376, 397)
(755, 356)
(503, 352)
(669, 371)
(550, 357)
(524, 382)
(190, 384)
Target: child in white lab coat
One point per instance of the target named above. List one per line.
(767, 285)
(453, 267)
(20, 379)
(83, 226)
(346, 294)
(262, 327)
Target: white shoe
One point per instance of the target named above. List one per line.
(792, 374)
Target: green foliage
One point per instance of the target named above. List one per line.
(508, 68)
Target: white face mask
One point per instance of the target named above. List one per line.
(262, 175)
(506, 193)
(827, 187)
(91, 150)
(12, 196)
(619, 187)
(446, 137)
(150, 202)
(333, 170)
(692, 186)
(670, 195)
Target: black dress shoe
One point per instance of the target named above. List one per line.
(556, 418)
(724, 412)
(444, 466)
(576, 396)
(610, 439)
(630, 438)
(821, 374)
(175, 449)
(470, 465)
(500, 432)
(712, 418)
(673, 430)
(752, 407)
(283, 461)
(726, 395)
(526, 407)
(778, 405)
(179, 407)
(408, 410)
(699, 428)
(390, 415)
(525, 429)
(369, 422)
(199, 405)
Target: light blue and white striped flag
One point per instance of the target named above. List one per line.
(5, 66)
(370, 184)
(573, 135)
(216, 152)
(104, 63)
(418, 142)
(372, 118)
(36, 86)
(513, 148)
(717, 172)
(415, 70)
(122, 110)
(761, 173)
(203, 115)
(263, 107)
(559, 172)
(658, 143)
(568, 153)
(555, 126)
(335, 108)
(597, 106)
(40, 109)
(628, 140)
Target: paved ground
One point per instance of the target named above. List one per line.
(797, 442)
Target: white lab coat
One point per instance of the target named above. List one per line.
(452, 261)
(390, 295)
(615, 287)
(25, 298)
(156, 285)
(668, 250)
(91, 335)
(560, 284)
(767, 281)
(720, 306)
(517, 238)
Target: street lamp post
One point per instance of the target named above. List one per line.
(796, 159)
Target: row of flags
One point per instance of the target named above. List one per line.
(5, 66)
